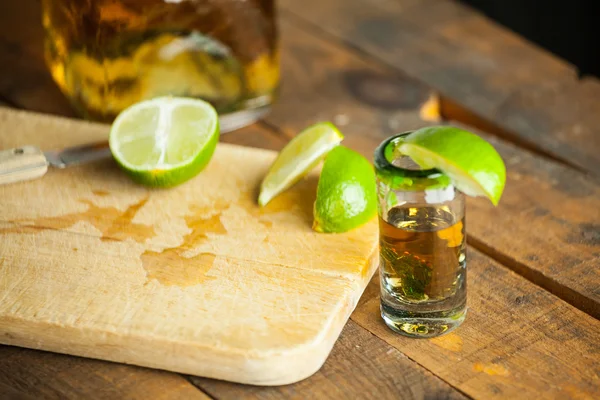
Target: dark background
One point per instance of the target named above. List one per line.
(568, 28)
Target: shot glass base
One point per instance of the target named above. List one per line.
(423, 325)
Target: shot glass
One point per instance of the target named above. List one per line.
(422, 245)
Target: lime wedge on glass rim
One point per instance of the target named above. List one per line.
(298, 158)
(473, 165)
(165, 141)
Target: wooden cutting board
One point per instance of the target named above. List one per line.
(195, 279)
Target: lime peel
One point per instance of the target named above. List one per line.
(165, 141)
(346, 195)
(469, 161)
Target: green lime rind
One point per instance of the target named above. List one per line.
(166, 178)
(165, 141)
(473, 164)
(346, 195)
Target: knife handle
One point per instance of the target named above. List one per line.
(22, 164)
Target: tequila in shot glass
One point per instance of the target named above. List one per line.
(422, 245)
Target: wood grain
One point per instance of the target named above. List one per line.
(554, 210)
(518, 341)
(360, 366)
(473, 61)
(546, 228)
(538, 247)
(335, 69)
(157, 279)
(33, 89)
(324, 82)
(451, 111)
(32, 374)
(68, 378)
(42, 375)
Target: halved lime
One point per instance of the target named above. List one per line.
(297, 158)
(165, 141)
(346, 195)
(473, 165)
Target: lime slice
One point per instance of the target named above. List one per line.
(346, 196)
(473, 165)
(297, 158)
(164, 141)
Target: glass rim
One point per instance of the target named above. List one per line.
(385, 166)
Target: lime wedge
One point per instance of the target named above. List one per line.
(346, 195)
(473, 165)
(297, 158)
(164, 141)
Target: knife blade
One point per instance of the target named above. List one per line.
(29, 162)
(78, 155)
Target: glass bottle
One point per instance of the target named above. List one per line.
(422, 245)
(108, 54)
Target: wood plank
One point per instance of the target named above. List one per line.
(148, 314)
(547, 227)
(518, 340)
(450, 111)
(296, 107)
(473, 61)
(143, 303)
(28, 373)
(330, 110)
(360, 366)
(25, 372)
(413, 380)
(324, 81)
(250, 137)
(553, 209)
(13, 394)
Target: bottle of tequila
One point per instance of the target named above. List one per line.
(108, 54)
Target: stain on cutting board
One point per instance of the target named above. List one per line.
(296, 290)
(188, 262)
(171, 268)
(111, 222)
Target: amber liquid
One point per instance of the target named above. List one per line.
(108, 54)
(422, 262)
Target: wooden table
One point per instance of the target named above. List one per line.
(369, 65)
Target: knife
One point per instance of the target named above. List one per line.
(29, 162)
